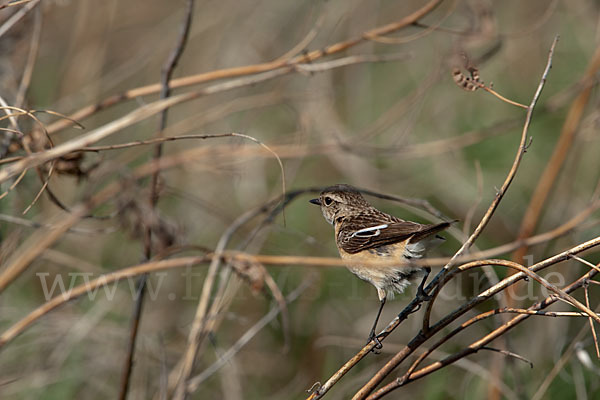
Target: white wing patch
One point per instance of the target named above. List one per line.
(369, 232)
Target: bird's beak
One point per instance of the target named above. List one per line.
(315, 201)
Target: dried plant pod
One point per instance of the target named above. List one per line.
(251, 271)
(469, 83)
(70, 164)
(135, 216)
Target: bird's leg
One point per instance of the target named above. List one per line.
(372, 335)
(420, 290)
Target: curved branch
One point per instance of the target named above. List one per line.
(476, 346)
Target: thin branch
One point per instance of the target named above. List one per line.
(31, 57)
(183, 370)
(537, 24)
(509, 354)
(553, 314)
(303, 44)
(294, 150)
(165, 92)
(16, 17)
(197, 380)
(271, 208)
(133, 117)
(585, 262)
(25, 145)
(474, 347)
(350, 60)
(391, 348)
(60, 224)
(420, 203)
(499, 195)
(424, 335)
(513, 171)
(13, 3)
(481, 85)
(103, 280)
(559, 365)
(593, 329)
(36, 225)
(53, 230)
(534, 310)
(556, 161)
(271, 66)
(45, 182)
(428, 29)
(153, 141)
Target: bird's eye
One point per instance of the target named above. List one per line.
(328, 201)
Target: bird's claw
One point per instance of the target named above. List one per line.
(421, 295)
(417, 308)
(378, 345)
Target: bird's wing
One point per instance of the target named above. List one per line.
(354, 237)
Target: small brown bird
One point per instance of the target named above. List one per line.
(362, 232)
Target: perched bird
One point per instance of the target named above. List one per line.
(362, 232)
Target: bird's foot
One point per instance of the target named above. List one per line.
(378, 345)
(421, 295)
(417, 308)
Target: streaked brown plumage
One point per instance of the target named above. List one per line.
(362, 232)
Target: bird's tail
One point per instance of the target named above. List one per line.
(430, 230)
(426, 239)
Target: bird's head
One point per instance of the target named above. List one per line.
(340, 201)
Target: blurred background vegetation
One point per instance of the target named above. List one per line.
(400, 127)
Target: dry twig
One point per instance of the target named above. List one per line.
(556, 161)
(165, 92)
